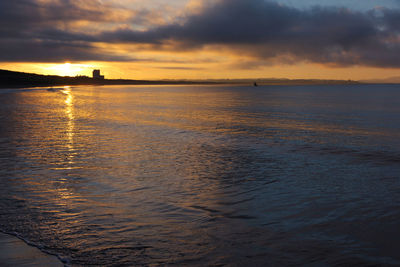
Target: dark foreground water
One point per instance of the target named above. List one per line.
(197, 175)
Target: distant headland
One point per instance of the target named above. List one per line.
(13, 79)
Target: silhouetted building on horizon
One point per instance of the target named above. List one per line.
(96, 75)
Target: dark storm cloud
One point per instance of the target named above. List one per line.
(33, 31)
(53, 51)
(30, 17)
(262, 30)
(267, 30)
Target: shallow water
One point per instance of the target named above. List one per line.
(204, 175)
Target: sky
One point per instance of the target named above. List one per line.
(202, 39)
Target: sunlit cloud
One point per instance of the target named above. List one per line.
(195, 34)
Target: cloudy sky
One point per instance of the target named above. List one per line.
(156, 39)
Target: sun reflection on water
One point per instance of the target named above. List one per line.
(69, 111)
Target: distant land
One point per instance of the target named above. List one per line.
(13, 79)
(385, 80)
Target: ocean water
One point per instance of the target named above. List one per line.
(204, 175)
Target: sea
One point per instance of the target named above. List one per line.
(203, 175)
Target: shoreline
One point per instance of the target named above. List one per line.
(13, 79)
(292, 83)
(16, 252)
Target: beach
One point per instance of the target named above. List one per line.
(15, 252)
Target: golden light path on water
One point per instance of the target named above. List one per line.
(63, 193)
(69, 109)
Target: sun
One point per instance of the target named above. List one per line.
(67, 69)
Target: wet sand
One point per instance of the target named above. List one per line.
(15, 252)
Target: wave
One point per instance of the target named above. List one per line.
(18, 90)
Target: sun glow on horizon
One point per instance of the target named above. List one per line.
(68, 69)
(59, 69)
(167, 70)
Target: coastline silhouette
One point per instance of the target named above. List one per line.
(16, 79)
